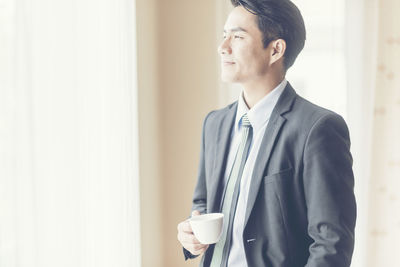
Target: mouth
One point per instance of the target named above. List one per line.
(227, 63)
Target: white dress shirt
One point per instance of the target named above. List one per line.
(258, 116)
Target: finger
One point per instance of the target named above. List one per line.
(196, 213)
(203, 249)
(187, 238)
(185, 227)
(195, 249)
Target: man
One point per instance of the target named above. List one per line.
(276, 165)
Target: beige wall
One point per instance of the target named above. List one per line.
(177, 87)
(149, 137)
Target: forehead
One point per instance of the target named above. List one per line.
(240, 18)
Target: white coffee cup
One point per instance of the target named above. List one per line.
(207, 228)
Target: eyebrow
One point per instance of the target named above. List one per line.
(236, 29)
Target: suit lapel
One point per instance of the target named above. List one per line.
(221, 154)
(271, 134)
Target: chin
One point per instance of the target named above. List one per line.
(225, 77)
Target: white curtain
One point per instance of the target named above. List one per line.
(383, 220)
(68, 134)
(361, 57)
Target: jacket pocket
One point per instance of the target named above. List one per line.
(279, 176)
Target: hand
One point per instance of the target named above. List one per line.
(187, 238)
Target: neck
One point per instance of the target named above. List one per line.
(254, 91)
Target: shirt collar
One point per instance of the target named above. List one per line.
(261, 112)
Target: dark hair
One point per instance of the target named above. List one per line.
(278, 19)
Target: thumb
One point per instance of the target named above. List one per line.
(195, 213)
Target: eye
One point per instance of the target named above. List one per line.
(238, 37)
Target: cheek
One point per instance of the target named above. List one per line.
(245, 59)
(247, 54)
(251, 63)
(258, 63)
(250, 59)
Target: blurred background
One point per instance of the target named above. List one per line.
(101, 109)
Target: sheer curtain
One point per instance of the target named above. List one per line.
(68, 134)
(383, 218)
(361, 57)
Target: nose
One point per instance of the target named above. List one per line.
(225, 47)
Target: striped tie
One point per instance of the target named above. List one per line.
(221, 250)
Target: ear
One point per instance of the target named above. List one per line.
(278, 50)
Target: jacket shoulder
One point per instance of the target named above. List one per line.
(215, 117)
(308, 114)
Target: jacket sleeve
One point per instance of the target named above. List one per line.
(200, 192)
(328, 186)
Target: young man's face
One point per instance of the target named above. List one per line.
(243, 57)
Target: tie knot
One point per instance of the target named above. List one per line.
(245, 121)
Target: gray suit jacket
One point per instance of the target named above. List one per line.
(301, 209)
